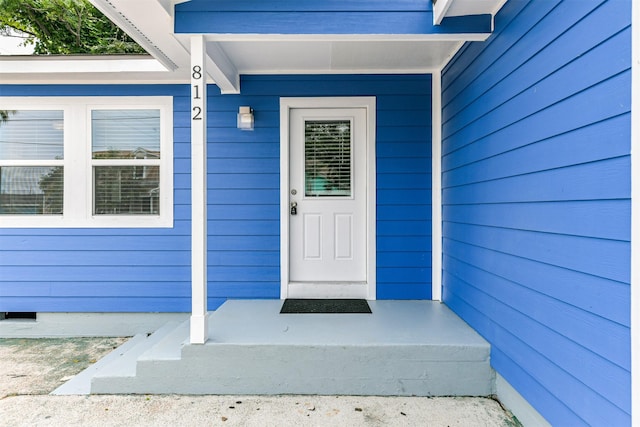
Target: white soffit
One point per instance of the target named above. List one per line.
(373, 56)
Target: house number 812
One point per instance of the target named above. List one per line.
(196, 75)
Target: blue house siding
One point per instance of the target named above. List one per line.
(124, 270)
(320, 17)
(149, 269)
(244, 174)
(536, 203)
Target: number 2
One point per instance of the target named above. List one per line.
(197, 113)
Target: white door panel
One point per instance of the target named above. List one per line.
(312, 236)
(343, 236)
(328, 187)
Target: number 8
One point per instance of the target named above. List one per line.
(197, 72)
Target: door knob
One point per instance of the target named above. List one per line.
(294, 208)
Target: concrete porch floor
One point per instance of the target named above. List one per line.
(391, 322)
(404, 348)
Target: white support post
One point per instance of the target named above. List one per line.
(199, 317)
(436, 186)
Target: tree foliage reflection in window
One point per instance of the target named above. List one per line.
(31, 162)
(126, 154)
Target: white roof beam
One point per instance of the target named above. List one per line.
(151, 37)
(223, 72)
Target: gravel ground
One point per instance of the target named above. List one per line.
(32, 368)
(39, 366)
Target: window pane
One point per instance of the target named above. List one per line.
(31, 190)
(31, 135)
(126, 190)
(125, 134)
(327, 151)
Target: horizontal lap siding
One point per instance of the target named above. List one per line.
(320, 17)
(149, 269)
(536, 208)
(243, 198)
(120, 270)
(244, 183)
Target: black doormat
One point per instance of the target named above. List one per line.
(298, 306)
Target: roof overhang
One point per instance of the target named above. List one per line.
(56, 68)
(450, 8)
(323, 54)
(151, 23)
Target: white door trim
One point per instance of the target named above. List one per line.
(368, 103)
(436, 186)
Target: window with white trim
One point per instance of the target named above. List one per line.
(86, 162)
(31, 162)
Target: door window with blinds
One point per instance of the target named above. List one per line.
(86, 162)
(327, 154)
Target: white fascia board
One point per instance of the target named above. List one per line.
(440, 9)
(87, 70)
(495, 12)
(446, 8)
(340, 37)
(137, 78)
(497, 7)
(321, 71)
(79, 64)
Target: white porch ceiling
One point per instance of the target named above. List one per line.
(321, 56)
(150, 23)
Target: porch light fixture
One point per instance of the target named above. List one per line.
(245, 118)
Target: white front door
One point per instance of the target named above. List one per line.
(327, 211)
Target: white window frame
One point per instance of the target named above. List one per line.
(78, 164)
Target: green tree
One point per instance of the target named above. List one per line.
(51, 186)
(64, 27)
(4, 115)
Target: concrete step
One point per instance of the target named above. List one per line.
(306, 369)
(402, 348)
(169, 346)
(81, 383)
(120, 372)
